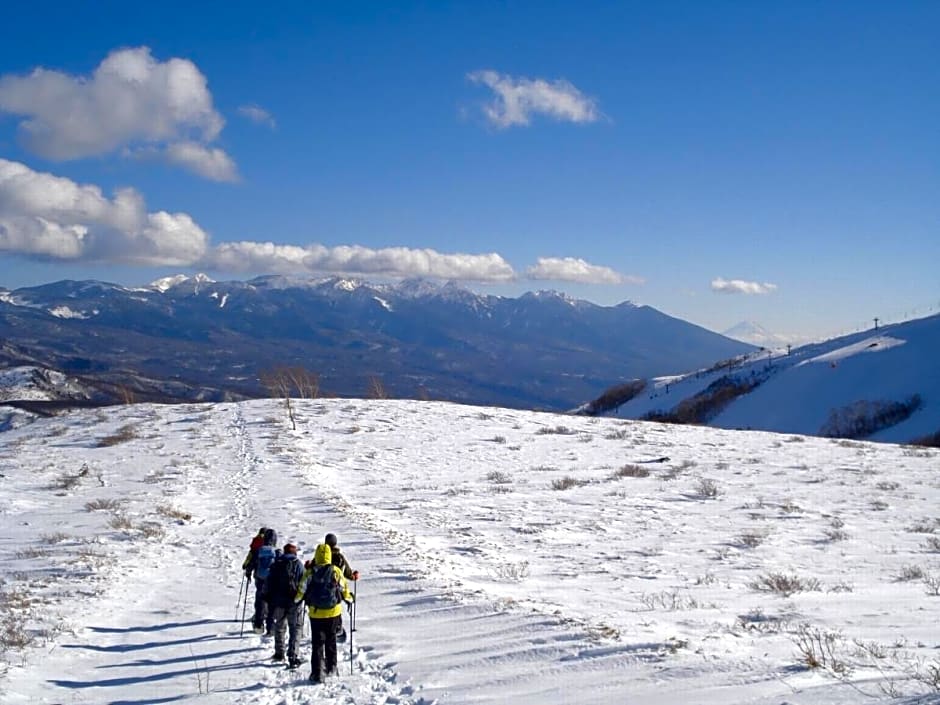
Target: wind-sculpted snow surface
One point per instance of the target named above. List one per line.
(507, 557)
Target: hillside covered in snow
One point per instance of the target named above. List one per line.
(506, 557)
(880, 385)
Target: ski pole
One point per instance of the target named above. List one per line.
(352, 625)
(241, 586)
(241, 631)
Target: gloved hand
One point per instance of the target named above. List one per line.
(248, 573)
(355, 575)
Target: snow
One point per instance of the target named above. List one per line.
(801, 389)
(506, 556)
(383, 303)
(66, 312)
(35, 383)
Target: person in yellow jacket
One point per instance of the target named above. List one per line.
(324, 589)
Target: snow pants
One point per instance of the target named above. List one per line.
(263, 617)
(323, 636)
(287, 620)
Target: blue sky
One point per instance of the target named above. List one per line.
(719, 161)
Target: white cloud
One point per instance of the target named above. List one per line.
(573, 269)
(129, 99)
(739, 286)
(210, 162)
(258, 115)
(517, 99)
(49, 216)
(354, 259)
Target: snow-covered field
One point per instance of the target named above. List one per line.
(507, 557)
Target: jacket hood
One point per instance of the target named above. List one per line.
(323, 556)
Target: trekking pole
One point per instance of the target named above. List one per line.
(241, 586)
(241, 631)
(352, 625)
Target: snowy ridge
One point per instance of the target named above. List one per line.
(507, 556)
(800, 392)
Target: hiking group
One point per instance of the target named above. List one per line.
(284, 585)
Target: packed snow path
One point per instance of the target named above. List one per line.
(156, 505)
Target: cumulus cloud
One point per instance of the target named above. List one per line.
(518, 99)
(354, 259)
(130, 99)
(48, 216)
(739, 286)
(572, 269)
(210, 162)
(257, 115)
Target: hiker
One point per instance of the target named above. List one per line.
(257, 541)
(324, 590)
(260, 565)
(339, 560)
(279, 590)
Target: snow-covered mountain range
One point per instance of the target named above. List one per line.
(881, 385)
(191, 338)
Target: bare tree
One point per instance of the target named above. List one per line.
(278, 383)
(306, 383)
(376, 388)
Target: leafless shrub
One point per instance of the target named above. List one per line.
(923, 526)
(888, 486)
(629, 471)
(783, 584)
(12, 633)
(172, 512)
(910, 572)
(707, 488)
(932, 544)
(483, 416)
(513, 572)
(620, 434)
(151, 530)
(498, 439)
(499, 478)
(932, 584)
(821, 649)
(671, 600)
(544, 468)
(56, 537)
(554, 430)
(879, 506)
(790, 507)
(15, 599)
(751, 539)
(833, 534)
(567, 482)
(122, 435)
(757, 621)
(121, 522)
(500, 489)
(33, 552)
(108, 504)
(795, 439)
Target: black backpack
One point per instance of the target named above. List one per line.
(323, 591)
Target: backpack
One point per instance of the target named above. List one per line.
(265, 559)
(323, 591)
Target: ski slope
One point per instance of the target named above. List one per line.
(507, 557)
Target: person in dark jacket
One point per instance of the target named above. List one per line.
(323, 620)
(339, 560)
(279, 590)
(259, 566)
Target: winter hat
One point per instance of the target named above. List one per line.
(330, 540)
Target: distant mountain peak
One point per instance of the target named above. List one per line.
(166, 283)
(755, 334)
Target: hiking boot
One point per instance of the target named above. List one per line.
(278, 656)
(314, 678)
(341, 637)
(294, 663)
